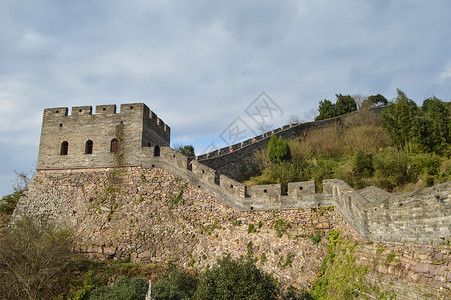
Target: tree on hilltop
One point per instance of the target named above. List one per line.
(374, 100)
(345, 104)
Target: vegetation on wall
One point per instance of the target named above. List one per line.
(340, 277)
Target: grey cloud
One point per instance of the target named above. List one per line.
(198, 64)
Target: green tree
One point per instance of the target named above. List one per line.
(345, 104)
(187, 150)
(435, 130)
(400, 119)
(326, 110)
(176, 285)
(8, 203)
(374, 100)
(124, 289)
(236, 279)
(278, 150)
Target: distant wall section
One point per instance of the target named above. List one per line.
(237, 161)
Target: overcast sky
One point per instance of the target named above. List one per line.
(199, 64)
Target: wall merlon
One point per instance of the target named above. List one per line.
(106, 109)
(174, 157)
(133, 108)
(300, 189)
(272, 191)
(203, 171)
(81, 111)
(233, 186)
(56, 112)
(152, 115)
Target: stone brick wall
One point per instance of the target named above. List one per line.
(151, 215)
(421, 217)
(135, 126)
(154, 216)
(412, 271)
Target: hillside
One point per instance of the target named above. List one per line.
(359, 152)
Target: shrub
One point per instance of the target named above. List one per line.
(425, 164)
(124, 289)
(278, 150)
(32, 257)
(8, 203)
(362, 164)
(391, 168)
(236, 279)
(176, 285)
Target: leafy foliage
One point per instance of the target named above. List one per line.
(176, 285)
(415, 130)
(236, 279)
(374, 100)
(278, 150)
(362, 164)
(8, 203)
(345, 104)
(391, 168)
(326, 110)
(124, 289)
(32, 257)
(187, 150)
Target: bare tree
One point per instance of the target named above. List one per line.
(358, 99)
(32, 256)
(264, 127)
(311, 115)
(294, 119)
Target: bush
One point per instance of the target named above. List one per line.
(124, 289)
(187, 150)
(278, 150)
(176, 285)
(32, 258)
(236, 279)
(391, 168)
(362, 164)
(8, 203)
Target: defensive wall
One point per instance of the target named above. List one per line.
(153, 203)
(237, 161)
(422, 217)
(153, 214)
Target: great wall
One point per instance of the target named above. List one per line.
(113, 178)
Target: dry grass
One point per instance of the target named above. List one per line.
(363, 133)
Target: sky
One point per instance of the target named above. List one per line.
(207, 68)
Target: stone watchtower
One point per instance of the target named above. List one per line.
(104, 139)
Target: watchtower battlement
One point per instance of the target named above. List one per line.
(102, 139)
